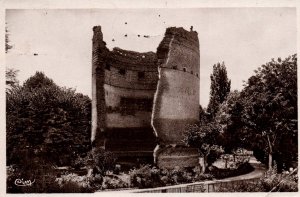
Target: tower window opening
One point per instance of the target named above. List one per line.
(141, 75)
(122, 71)
(197, 75)
(192, 72)
(184, 69)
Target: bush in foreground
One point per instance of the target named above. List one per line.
(271, 182)
(150, 177)
(114, 182)
(45, 179)
(37, 168)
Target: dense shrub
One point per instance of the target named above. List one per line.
(203, 177)
(149, 177)
(79, 162)
(283, 182)
(45, 179)
(35, 168)
(270, 182)
(73, 183)
(96, 182)
(72, 187)
(72, 177)
(113, 182)
(145, 177)
(100, 161)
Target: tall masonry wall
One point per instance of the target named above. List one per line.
(132, 90)
(176, 102)
(177, 97)
(124, 83)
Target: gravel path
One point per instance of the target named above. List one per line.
(258, 172)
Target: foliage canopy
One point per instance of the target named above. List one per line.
(43, 117)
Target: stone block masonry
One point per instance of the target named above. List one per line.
(176, 102)
(131, 90)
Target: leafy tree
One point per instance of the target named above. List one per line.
(203, 115)
(270, 108)
(11, 78)
(39, 80)
(45, 118)
(229, 119)
(204, 137)
(219, 88)
(7, 45)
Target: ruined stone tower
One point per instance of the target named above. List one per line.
(176, 103)
(123, 87)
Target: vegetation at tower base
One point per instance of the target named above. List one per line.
(205, 137)
(100, 161)
(43, 118)
(206, 134)
(219, 88)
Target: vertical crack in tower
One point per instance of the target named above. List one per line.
(170, 44)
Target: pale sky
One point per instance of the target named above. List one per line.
(244, 38)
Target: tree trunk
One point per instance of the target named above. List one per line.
(89, 172)
(202, 164)
(270, 161)
(270, 152)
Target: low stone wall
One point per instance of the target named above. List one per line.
(209, 186)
